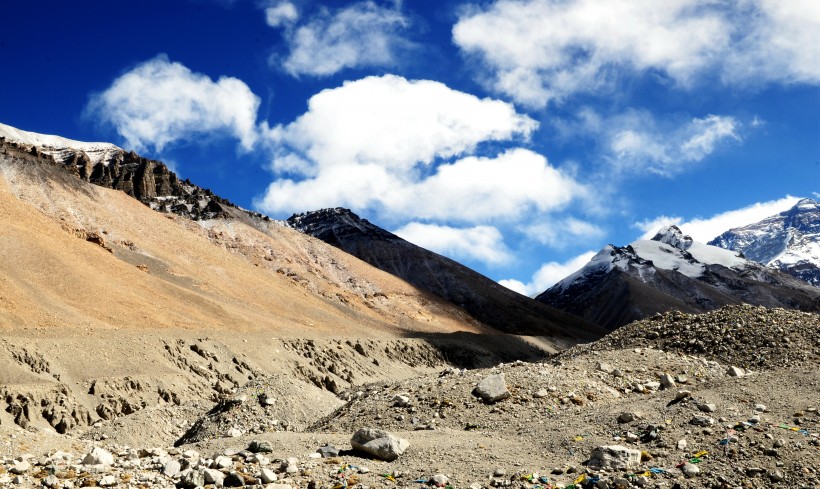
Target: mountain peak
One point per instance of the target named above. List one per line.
(789, 241)
(674, 237)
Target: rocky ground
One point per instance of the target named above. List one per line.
(728, 399)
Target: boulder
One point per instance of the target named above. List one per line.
(614, 457)
(99, 456)
(492, 388)
(379, 443)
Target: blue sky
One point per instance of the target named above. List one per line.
(517, 137)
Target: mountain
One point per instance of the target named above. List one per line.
(124, 288)
(482, 298)
(672, 272)
(789, 241)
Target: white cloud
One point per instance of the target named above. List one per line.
(548, 275)
(561, 233)
(160, 102)
(383, 142)
(706, 229)
(362, 34)
(282, 13)
(482, 243)
(540, 50)
(637, 141)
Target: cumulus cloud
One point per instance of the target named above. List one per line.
(542, 50)
(388, 143)
(362, 34)
(706, 229)
(548, 275)
(159, 102)
(282, 13)
(481, 243)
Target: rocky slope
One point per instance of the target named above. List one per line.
(482, 298)
(672, 272)
(672, 413)
(789, 241)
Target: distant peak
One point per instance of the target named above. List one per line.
(674, 237)
(807, 203)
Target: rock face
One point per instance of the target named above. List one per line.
(482, 298)
(379, 443)
(789, 241)
(106, 165)
(614, 457)
(672, 272)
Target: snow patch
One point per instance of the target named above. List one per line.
(57, 146)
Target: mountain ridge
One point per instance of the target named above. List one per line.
(672, 271)
(788, 241)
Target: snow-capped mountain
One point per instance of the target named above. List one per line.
(671, 271)
(59, 148)
(789, 241)
(107, 165)
(484, 299)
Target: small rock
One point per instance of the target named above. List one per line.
(257, 446)
(707, 408)
(99, 456)
(234, 479)
(20, 467)
(192, 480)
(379, 443)
(667, 381)
(268, 476)
(107, 481)
(735, 372)
(328, 451)
(627, 417)
(223, 462)
(614, 457)
(541, 393)
(233, 433)
(492, 388)
(776, 476)
(702, 421)
(760, 408)
(690, 470)
(290, 465)
(682, 444)
(401, 401)
(605, 367)
(439, 480)
(682, 394)
(213, 476)
(171, 469)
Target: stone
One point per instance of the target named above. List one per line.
(233, 433)
(379, 443)
(627, 417)
(682, 444)
(328, 451)
(438, 480)
(268, 476)
(290, 465)
(614, 457)
(51, 481)
(400, 401)
(213, 476)
(257, 446)
(223, 462)
(667, 381)
(605, 368)
(702, 421)
(492, 388)
(735, 372)
(171, 469)
(234, 479)
(776, 476)
(690, 470)
(20, 467)
(707, 408)
(761, 408)
(107, 481)
(192, 479)
(99, 456)
(541, 393)
(682, 394)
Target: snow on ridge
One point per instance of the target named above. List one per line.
(56, 145)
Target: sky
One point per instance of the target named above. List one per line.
(517, 137)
